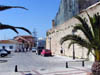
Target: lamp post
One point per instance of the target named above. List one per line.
(50, 42)
(73, 46)
(82, 53)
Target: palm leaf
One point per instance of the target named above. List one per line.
(91, 19)
(4, 26)
(95, 25)
(75, 39)
(24, 29)
(90, 51)
(81, 28)
(85, 26)
(2, 7)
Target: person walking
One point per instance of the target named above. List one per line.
(61, 51)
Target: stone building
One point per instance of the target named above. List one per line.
(57, 32)
(70, 8)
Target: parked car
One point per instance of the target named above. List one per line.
(3, 53)
(9, 52)
(39, 50)
(34, 49)
(46, 52)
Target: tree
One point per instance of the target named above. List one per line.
(4, 26)
(92, 41)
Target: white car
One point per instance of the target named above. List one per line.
(34, 49)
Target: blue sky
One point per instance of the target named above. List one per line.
(39, 16)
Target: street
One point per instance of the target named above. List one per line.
(30, 62)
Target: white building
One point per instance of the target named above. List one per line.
(10, 45)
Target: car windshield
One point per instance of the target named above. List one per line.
(33, 48)
(47, 50)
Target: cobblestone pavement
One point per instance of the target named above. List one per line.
(31, 64)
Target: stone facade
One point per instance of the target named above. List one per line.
(67, 9)
(54, 35)
(70, 8)
(83, 4)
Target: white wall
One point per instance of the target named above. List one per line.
(7, 46)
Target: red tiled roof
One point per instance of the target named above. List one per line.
(9, 41)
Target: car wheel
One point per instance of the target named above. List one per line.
(2, 55)
(36, 52)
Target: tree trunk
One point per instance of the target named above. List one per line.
(96, 64)
(97, 53)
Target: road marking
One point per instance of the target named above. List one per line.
(80, 69)
(72, 72)
(36, 72)
(75, 71)
(65, 73)
(22, 73)
(60, 71)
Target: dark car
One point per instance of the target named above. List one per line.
(3, 53)
(46, 52)
(39, 50)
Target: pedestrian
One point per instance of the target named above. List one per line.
(61, 51)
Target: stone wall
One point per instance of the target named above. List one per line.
(66, 28)
(83, 4)
(70, 8)
(67, 9)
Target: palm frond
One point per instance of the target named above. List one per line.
(91, 19)
(95, 25)
(4, 26)
(84, 28)
(75, 39)
(24, 29)
(2, 7)
(81, 28)
(90, 51)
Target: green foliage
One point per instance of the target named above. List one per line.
(92, 33)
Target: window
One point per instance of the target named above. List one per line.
(10, 47)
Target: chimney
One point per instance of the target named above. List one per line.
(53, 23)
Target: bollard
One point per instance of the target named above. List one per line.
(83, 63)
(66, 64)
(16, 70)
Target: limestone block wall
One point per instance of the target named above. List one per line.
(64, 29)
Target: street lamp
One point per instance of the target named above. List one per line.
(73, 46)
(50, 42)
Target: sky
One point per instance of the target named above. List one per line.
(38, 17)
